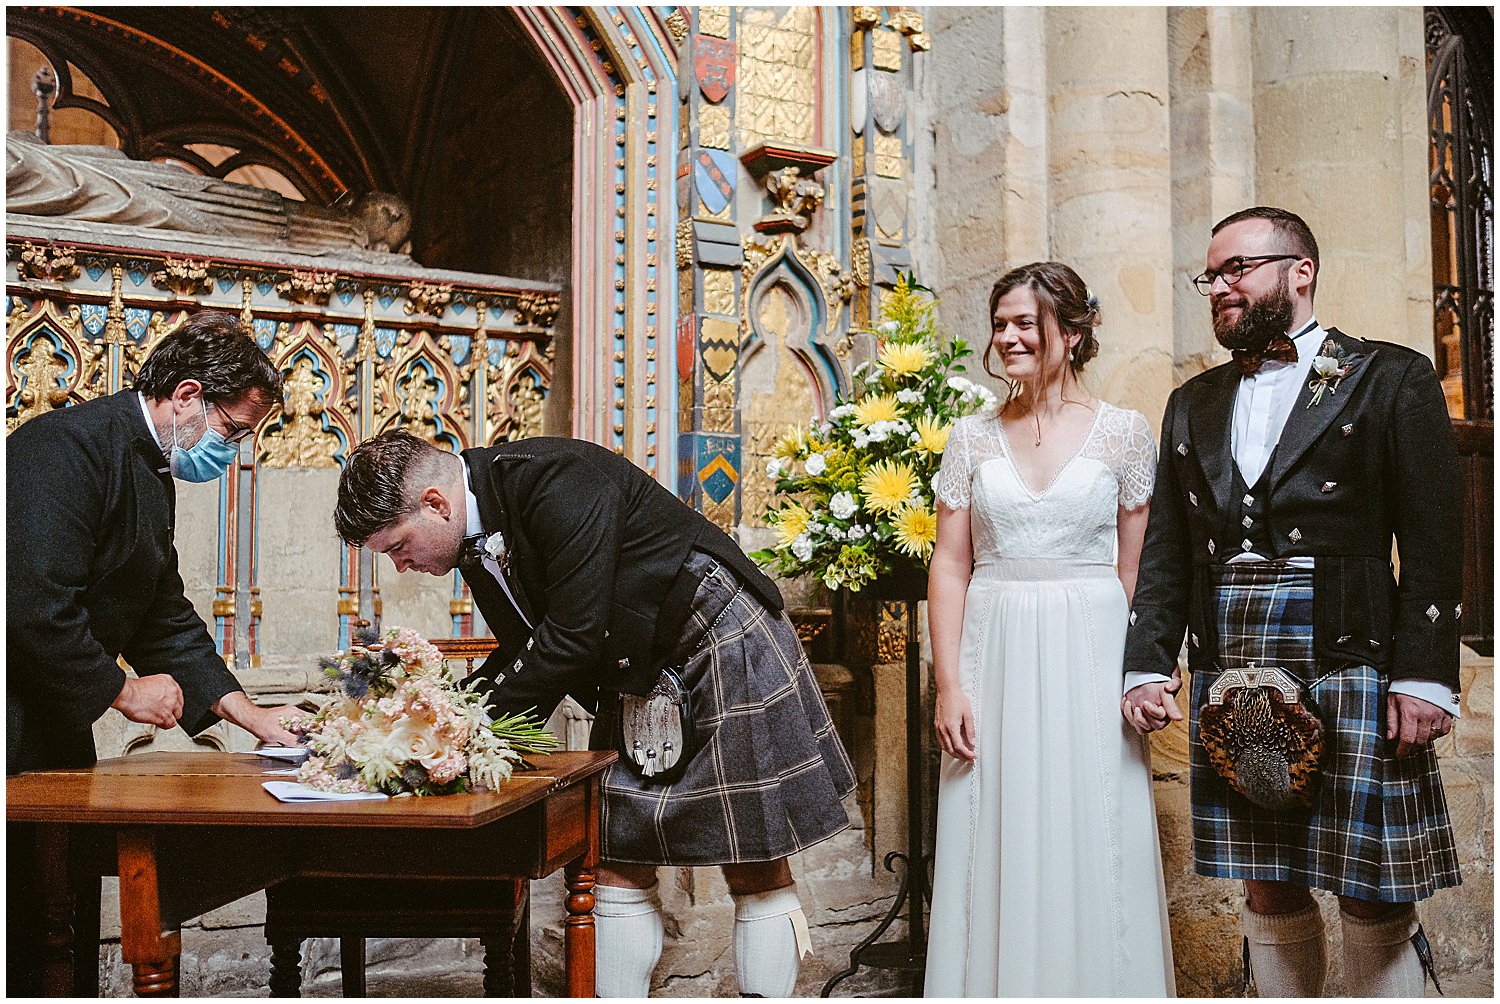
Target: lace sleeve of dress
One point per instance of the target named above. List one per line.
(952, 484)
(1136, 465)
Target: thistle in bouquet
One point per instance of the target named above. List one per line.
(400, 723)
(854, 493)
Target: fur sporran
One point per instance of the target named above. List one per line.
(1261, 737)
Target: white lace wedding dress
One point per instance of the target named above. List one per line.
(1048, 878)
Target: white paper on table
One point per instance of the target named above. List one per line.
(291, 754)
(292, 791)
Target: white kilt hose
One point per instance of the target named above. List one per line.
(769, 775)
(1379, 829)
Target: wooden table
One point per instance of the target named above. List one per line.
(190, 832)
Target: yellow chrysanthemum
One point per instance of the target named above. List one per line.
(904, 358)
(790, 445)
(916, 530)
(793, 521)
(932, 434)
(887, 485)
(877, 408)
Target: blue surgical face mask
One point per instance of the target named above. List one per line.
(206, 460)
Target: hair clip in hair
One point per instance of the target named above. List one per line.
(1090, 300)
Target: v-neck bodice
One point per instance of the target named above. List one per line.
(1074, 518)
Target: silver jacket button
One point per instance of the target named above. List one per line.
(1192, 498)
(1295, 536)
(1182, 449)
(1249, 500)
(1328, 486)
(1432, 613)
(1247, 522)
(623, 663)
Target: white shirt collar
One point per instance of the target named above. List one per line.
(146, 410)
(476, 526)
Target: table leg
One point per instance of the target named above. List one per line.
(153, 953)
(579, 934)
(578, 937)
(56, 888)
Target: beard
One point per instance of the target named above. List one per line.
(1260, 322)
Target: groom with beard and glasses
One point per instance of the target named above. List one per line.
(1285, 476)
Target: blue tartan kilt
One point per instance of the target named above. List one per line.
(1379, 829)
(770, 776)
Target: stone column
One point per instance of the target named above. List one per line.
(982, 155)
(1111, 187)
(1213, 159)
(1338, 104)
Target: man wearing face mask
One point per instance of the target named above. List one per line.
(92, 567)
(1318, 682)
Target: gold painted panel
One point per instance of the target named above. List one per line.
(713, 126)
(886, 49)
(713, 21)
(777, 80)
(718, 291)
(888, 158)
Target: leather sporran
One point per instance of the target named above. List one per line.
(1261, 737)
(657, 734)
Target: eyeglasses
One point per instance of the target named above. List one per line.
(237, 433)
(1235, 269)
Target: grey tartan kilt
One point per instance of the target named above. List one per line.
(1379, 829)
(769, 776)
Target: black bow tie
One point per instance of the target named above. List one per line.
(471, 554)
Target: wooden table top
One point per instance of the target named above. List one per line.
(219, 789)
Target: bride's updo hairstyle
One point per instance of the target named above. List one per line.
(1064, 304)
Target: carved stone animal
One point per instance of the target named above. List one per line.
(385, 221)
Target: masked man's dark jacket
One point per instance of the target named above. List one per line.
(1373, 461)
(91, 576)
(595, 552)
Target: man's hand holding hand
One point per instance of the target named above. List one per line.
(1151, 706)
(150, 700)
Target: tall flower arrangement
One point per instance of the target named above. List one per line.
(854, 493)
(400, 724)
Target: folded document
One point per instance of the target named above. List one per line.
(293, 791)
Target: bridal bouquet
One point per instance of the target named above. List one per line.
(399, 723)
(855, 491)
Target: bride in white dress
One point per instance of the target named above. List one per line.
(1048, 877)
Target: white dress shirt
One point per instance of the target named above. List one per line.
(1262, 405)
(152, 426)
(491, 565)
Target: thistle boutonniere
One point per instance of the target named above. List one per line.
(1330, 366)
(494, 547)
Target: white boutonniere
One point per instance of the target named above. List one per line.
(494, 547)
(1330, 366)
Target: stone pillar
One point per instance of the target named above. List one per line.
(1111, 187)
(1213, 159)
(982, 153)
(1337, 104)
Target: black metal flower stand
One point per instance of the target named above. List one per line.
(910, 954)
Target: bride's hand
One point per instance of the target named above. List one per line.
(1151, 706)
(954, 721)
